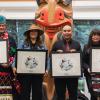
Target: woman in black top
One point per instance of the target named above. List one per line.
(94, 41)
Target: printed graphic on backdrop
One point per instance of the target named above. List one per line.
(52, 15)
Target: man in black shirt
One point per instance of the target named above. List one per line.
(66, 44)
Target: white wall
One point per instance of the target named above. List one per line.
(82, 9)
(86, 9)
(18, 10)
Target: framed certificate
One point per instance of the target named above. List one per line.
(3, 51)
(66, 64)
(31, 62)
(95, 60)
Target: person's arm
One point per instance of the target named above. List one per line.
(85, 65)
(54, 47)
(79, 48)
(12, 51)
(14, 68)
(20, 46)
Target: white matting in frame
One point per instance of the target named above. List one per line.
(3, 52)
(95, 60)
(66, 64)
(31, 62)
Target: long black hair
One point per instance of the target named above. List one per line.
(93, 32)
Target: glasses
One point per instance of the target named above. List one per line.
(66, 30)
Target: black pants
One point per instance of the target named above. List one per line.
(29, 82)
(60, 87)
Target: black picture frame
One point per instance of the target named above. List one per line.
(31, 61)
(3, 51)
(66, 64)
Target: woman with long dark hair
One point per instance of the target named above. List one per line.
(31, 81)
(94, 41)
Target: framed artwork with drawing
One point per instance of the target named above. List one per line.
(66, 64)
(31, 62)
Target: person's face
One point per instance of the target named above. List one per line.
(96, 38)
(2, 28)
(33, 34)
(67, 32)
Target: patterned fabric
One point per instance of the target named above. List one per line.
(5, 73)
(4, 36)
(11, 46)
(5, 83)
(96, 83)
